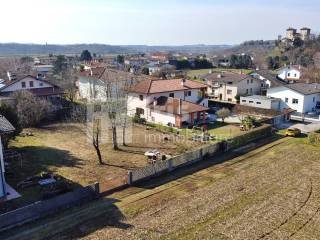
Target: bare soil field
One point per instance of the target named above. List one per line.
(272, 192)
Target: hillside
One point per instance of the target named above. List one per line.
(7, 49)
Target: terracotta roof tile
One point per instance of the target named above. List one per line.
(172, 105)
(150, 86)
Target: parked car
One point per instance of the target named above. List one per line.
(293, 132)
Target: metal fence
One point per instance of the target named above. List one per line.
(172, 163)
(190, 157)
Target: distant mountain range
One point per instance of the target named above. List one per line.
(7, 49)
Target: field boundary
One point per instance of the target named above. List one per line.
(47, 207)
(191, 157)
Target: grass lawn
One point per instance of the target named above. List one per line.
(63, 149)
(271, 192)
(218, 129)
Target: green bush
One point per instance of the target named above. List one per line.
(254, 134)
(138, 119)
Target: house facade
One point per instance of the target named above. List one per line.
(289, 73)
(94, 84)
(302, 97)
(5, 128)
(228, 86)
(174, 102)
(39, 87)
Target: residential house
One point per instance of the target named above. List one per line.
(39, 87)
(290, 73)
(160, 56)
(93, 83)
(42, 70)
(302, 97)
(268, 80)
(228, 86)
(5, 128)
(174, 102)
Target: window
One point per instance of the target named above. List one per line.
(139, 111)
(23, 84)
(141, 97)
(41, 84)
(229, 100)
(230, 83)
(295, 75)
(171, 95)
(286, 100)
(250, 90)
(244, 100)
(97, 108)
(31, 84)
(247, 81)
(247, 91)
(314, 99)
(251, 80)
(250, 101)
(229, 92)
(258, 103)
(295, 101)
(288, 74)
(187, 93)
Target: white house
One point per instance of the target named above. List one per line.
(227, 86)
(290, 73)
(302, 97)
(93, 83)
(268, 80)
(38, 87)
(174, 102)
(5, 128)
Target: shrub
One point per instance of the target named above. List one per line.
(138, 119)
(223, 113)
(314, 138)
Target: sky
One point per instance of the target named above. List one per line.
(150, 22)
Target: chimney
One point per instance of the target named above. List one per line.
(219, 75)
(183, 80)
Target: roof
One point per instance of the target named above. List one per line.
(291, 28)
(96, 72)
(5, 125)
(175, 105)
(305, 28)
(13, 82)
(275, 81)
(260, 97)
(226, 77)
(150, 86)
(305, 88)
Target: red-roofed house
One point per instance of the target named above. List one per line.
(174, 102)
(39, 87)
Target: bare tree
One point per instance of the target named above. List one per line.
(116, 84)
(90, 126)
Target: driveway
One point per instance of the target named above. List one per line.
(307, 128)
